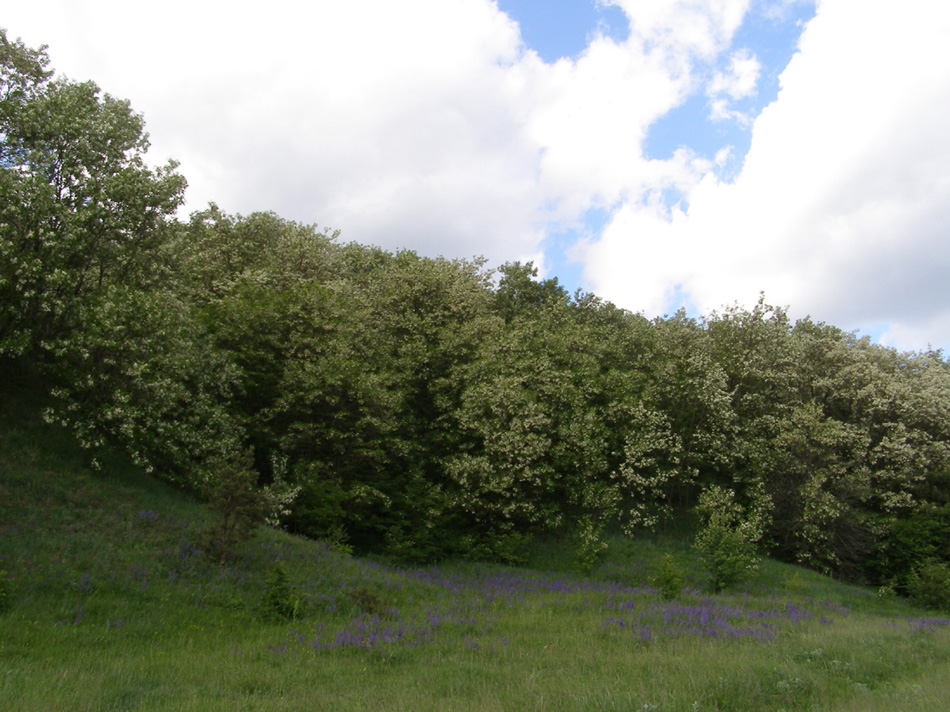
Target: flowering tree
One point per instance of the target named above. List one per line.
(80, 210)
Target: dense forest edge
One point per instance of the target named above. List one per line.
(428, 409)
(110, 602)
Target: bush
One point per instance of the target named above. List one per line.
(590, 548)
(670, 580)
(369, 602)
(6, 592)
(727, 541)
(929, 585)
(729, 556)
(278, 602)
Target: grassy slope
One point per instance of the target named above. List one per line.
(115, 609)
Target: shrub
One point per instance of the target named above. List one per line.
(6, 592)
(670, 579)
(728, 555)
(278, 602)
(929, 585)
(727, 541)
(369, 602)
(590, 548)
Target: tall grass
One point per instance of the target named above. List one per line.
(115, 608)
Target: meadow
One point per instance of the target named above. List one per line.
(112, 605)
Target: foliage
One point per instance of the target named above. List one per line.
(6, 592)
(929, 585)
(590, 547)
(81, 210)
(169, 629)
(278, 602)
(728, 537)
(427, 408)
(909, 540)
(670, 580)
(239, 505)
(369, 602)
(143, 376)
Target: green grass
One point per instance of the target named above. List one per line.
(115, 608)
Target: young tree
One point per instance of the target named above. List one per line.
(239, 505)
(728, 537)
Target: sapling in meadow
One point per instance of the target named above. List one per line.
(240, 506)
(727, 540)
(670, 580)
(279, 602)
(590, 546)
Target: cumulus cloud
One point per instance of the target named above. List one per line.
(425, 123)
(738, 81)
(403, 124)
(841, 207)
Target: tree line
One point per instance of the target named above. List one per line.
(426, 408)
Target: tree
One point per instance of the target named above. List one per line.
(817, 477)
(86, 259)
(521, 293)
(80, 210)
(144, 375)
(728, 537)
(239, 505)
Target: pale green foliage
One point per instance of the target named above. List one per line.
(84, 230)
(142, 375)
(693, 391)
(221, 255)
(728, 537)
(533, 449)
(22, 71)
(818, 477)
(81, 210)
(649, 469)
(429, 407)
(670, 580)
(590, 547)
(280, 493)
(845, 436)
(507, 469)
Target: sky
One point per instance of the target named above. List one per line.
(658, 153)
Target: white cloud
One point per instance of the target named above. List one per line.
(403, 124)
(423, 123)
(737, 82)
(842, 204)
(739, 79)
(685, 28)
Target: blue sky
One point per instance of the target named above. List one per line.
(655, 152)
(563, 28)
(557, 29)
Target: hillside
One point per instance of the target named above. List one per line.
(113, 606)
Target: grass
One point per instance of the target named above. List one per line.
(115, 608)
